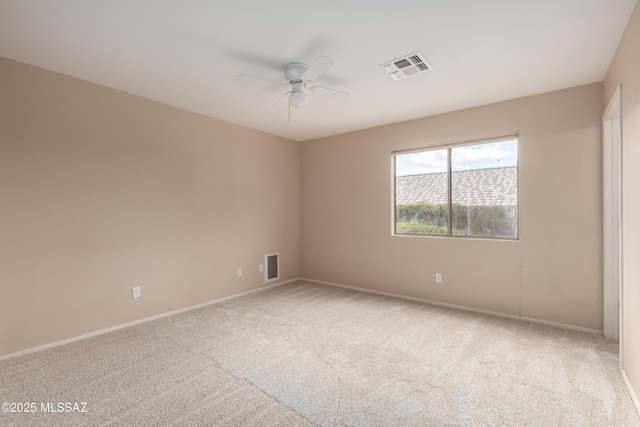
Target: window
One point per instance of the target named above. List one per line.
(468, 189)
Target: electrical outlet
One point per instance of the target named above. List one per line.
(261, 268)
(135, 292)
(438, 278)
(239, 271)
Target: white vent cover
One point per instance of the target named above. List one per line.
(407, 66)
(272, 267)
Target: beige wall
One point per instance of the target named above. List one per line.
(101, 191)
(625, 70)
(553, 273)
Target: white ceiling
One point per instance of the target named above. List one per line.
(188, 53)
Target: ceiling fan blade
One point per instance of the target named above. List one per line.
(280, 99)
(258, 79)
(330, 93)
(319, 66)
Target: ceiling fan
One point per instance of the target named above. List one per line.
(298, 76)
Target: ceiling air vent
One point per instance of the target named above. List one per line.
(407, 66)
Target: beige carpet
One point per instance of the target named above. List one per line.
(308, 354)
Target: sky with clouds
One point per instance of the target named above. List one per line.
(480, 156)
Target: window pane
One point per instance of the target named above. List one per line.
(484, 189)
(422, 192)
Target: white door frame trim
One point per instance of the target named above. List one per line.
(612, 218)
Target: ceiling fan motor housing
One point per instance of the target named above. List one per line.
(295, 71)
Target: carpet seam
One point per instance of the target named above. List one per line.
(245, 380)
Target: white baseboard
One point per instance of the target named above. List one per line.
(461, 307)
(137, 322)
(193, 307)
(632, 392)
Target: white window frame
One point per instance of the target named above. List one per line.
(449, 147)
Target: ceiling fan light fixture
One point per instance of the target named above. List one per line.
(298, 99)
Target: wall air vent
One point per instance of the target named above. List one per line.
(407, 66)
(272, 267)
